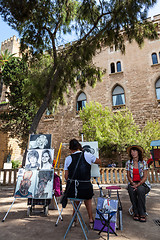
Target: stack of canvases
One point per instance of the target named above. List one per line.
(36, 179)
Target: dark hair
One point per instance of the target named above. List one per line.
(49, 154)
(74, 145)
(140, 156)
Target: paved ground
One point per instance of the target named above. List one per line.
(18, 226)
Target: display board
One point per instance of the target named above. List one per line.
(36, 184)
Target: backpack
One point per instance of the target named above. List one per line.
(57, 185)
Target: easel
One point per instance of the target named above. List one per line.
(57, 160)
(8, 210)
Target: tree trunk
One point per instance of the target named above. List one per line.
(41, 110)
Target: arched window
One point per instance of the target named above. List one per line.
(81, 101)
(119, 66)
(118, 96)
(154, 58)
(112, 68)
(158, 89)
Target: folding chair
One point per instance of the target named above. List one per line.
(78, 214)
(106, 221)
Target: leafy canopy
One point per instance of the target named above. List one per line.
(116, 131)
(43, 23)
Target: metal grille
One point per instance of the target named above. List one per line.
(157, 222)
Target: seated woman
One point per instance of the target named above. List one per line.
(139, 186)
(80, 186)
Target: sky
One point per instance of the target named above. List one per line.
(6, 32)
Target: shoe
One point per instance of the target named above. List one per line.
(142, 219)
(74, 224)
(91, 225)
(136, 217)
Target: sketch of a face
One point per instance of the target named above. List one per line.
(24, 186)
(87, 148)
(45, 157)
(33, 158)
(41, 141)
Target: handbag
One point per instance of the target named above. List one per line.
(64, 199)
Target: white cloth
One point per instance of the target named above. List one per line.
(88, 157)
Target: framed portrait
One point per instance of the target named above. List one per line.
(39, 141)
(26, 181)
(44, 184)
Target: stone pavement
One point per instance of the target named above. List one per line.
(18, 226)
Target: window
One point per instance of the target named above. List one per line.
(118, 96)
(158, 89)
(112, 68)
(1, 86)
(118, 66)
(81, 101)
(154, 58)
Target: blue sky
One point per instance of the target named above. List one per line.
(7, 32)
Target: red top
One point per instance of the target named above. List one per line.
(136, 176)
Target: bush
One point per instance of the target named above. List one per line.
(16, 163)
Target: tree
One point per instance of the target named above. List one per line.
(116, 131)
(113, 131)
(4, 58)
(19, 116)
(41, 25)
(150, 132)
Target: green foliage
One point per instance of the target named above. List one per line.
(43, 24)
(116, 131)
(4, 58)
(16, 164)
(150, 132)
(112, 131)
(18, 120)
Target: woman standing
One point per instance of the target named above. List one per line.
(139, 186)
(80, 186)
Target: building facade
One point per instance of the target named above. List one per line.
(132, 80)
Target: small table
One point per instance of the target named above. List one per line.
(78, 214)
(110, 188)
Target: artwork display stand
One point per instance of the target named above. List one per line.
(8, 210)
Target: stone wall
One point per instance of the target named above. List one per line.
(138, 78)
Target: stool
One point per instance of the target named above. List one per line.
(78, 214)
(106, 222)
(110, 188)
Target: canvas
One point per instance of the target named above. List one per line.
(92, 147)
(39, 141)
(39, 159)
(44, 184)
(37, 184)
(25, 183)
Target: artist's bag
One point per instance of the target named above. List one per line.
(57, 185)
(64, 200)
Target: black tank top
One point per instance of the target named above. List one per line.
(83, 171)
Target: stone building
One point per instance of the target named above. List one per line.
(131, 80)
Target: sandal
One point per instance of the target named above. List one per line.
(136, 217)
(91, 225)
(142, 219)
